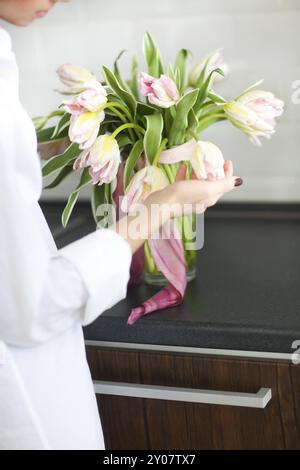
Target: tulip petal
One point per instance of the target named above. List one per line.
(205, 157)
(166, 298)
(178, 154)
(161, 91)
(170, 87)
(169, 258)
(137, 266)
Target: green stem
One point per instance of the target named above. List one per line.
(127, 126)
(116, 104)
(214, 111)
(166, 168)
(194, 135)
(208, 105)
(113, 107)
(117, 113)
(209, 120)
(161, 148)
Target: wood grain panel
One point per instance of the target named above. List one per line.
(132, 423)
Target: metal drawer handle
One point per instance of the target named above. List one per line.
(212, 397)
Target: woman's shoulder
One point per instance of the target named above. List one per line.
(5, 42)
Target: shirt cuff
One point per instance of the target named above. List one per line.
(103, 259)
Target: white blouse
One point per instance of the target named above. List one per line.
(46, 295)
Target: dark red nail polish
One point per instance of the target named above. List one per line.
(238, 182)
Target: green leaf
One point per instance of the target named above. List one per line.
(133, 82)
(107, 192)
(60, 177)
(123, 140)
(84, 180)
(62, 124)
(40, 121)
(153, 135)
(123, 94)
(205, 89)
(116, 66)
(168, 119)
(171, 72)
(59, 161)
(216, 98)
(133, 157)
(118, 73)
(181, 64)
(69, 208)
(174, 75)
(44, 135)
(192, 122)
(180, 122)
(201, 78)
(152, 57)
(98, 198)
(250, 88)
(205, 123)
(144, 109)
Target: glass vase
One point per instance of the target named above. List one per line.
(187, 228)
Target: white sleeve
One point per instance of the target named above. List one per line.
(86, 278)
(103, 260)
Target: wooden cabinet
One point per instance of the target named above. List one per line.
(131, 423)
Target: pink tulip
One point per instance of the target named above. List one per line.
(84, 128)
(161, 91)
(207, 161)
(211, 62)
(144, 182)
(92, 99)
(205, 157)
(103, 159)
(74, 77)
(264, 103)
(255, 113)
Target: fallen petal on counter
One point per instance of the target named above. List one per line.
(165, 298)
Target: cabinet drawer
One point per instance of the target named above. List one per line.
(154, 423)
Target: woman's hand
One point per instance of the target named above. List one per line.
(181, 197)
(194, 196)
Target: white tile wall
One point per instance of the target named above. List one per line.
(261, 38)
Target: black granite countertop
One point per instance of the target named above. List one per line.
(246, 295)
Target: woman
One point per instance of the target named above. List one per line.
(46, 393)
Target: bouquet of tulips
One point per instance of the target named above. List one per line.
(137, 134)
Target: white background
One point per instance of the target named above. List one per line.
(261, 39)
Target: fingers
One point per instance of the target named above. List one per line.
(181, 172)
(228, 168)
(213, 189)
(199, 191)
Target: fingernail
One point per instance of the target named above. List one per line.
(238, 182)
